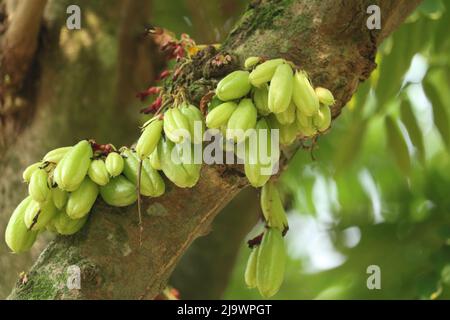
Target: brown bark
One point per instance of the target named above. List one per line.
(328, 38)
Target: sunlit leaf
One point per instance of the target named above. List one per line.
(415, 134)
(397, 145)
(440, 113)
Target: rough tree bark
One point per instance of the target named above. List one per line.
(327, 38)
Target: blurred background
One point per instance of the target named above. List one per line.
(375, 190)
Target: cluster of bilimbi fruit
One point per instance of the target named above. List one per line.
(270, 94)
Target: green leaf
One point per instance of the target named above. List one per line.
(432, 8)
(350, 147)
(440, 113)
(397, 145)
(410, 122)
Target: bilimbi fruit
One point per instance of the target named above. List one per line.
(270, 263)
(149, 139)
(114, 164)
(280, 89)
(73, 167)
(234, 86)
(17, 236)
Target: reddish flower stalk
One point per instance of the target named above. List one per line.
(153, 107)
(150, 91)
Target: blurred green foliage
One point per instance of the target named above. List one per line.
(378, 192)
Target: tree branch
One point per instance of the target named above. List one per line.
(19, 42)
(328, 38)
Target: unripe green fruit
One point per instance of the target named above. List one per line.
(81, 200)
(184, 175)
(176, 125)
(149, 139)
(305, 125)
(65, 225)
(304, 96)
(288, 116)
(56, 155)
(17, 236)
(259, 173)
(220, 115)
(38, 215)
(280, 89)
(271, 263)
(250, 62)
(325, 96)
(243, 118)
(98, 173)
(272, 207)
(119, 192)
(322, 119)
(157, 181)
(38, 187)
(288, 133)
(59, 197)
(131, 170)
(27, 173)
(194, 116)
(264, 72)
(155, 161)
(251, 268)
(261, 99)
(234, 86)
(114, 164)
(73, 167)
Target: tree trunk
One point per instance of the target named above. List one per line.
(329, 39)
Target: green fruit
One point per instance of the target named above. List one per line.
(325, 96)
(287, 133)
(59, 197)
(259, 170)
(250, 62)
(38, 215)
(73, 167)
(220, 115)
(17, 236)
(272, 207)
(288, 116)
(114, 164)
(184, 174)
(56, 155)
(196, 122)
(98, 172)
(149, 139)
(234, 86)
(81, 200)
(157, 181)
(322, 119)
(261, 99)
(242, 119)
(30, 170)
(264, 72)
(304, 96)
(131, 170)
(38, 187)
(176, 125)
(271, 263)
(119, 192)
(250, 270)
(65, 225)
(280, 89)
(155, 161)
(305, 125)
